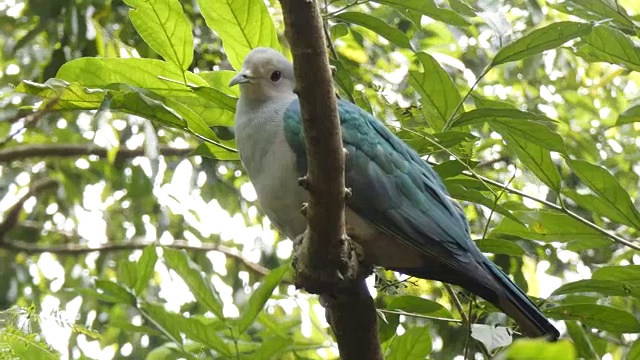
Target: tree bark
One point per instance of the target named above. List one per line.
(327, 261)
(21, 152)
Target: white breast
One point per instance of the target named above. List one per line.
(271, 164)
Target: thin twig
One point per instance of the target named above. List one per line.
(21, 152)
(29, 119)
(76, 249)
(447, 125)
(456, 302)
(355, 3)
(12, 214)
(421, 316)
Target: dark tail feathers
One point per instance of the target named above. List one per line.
(517, 305)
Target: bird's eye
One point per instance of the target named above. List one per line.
(276, 75)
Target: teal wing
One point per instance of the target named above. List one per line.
(398, 192)
(393, 188)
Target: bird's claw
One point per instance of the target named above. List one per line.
(347, 193)
(303, 182)
(304, 208)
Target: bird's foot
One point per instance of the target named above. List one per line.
(303, 182)
(324, 273)
(348, 193)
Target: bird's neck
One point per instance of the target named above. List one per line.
(252, 112)
(258, 125)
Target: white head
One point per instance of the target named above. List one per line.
(266, 74)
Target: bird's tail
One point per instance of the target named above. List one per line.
(516, 304)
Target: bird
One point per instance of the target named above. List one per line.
(399, 210)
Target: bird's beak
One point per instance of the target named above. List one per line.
(243, 77)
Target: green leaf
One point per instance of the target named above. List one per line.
(479, 116)
(629, 116)
(427, 8)
(438, 94)
(597, 316)
(209, 112)
(217, 97)
(629, 274)
(155, 75)
(165, 109)
(165, 28)
(194, 329)
(116, 291)
(260, 296)
(127, 273)
(338, 30)
(500, 246)
(271, 348)
(484, 102)
(462, 7)
(200, 285)
(146, 266)
(219, 80)
(242, 25)
(16, 344)
(448, 140)
(343, 79)
(605, 287)
(547, 226)
(634, 351)
(595, 204)
(610, 45)
(415, 343)
(387, 325)
(139, 102)
(538, 349)
(539, 40)
(450, 168)
(597, 10)
(531, 132)
(580, 340)
(63, 95)
(378, 26)
(418, 305)
(215, 152)
(534, 157)
(606, 186)
(459, 192)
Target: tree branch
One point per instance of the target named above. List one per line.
(12, 214)
(327, 262)
(74, 150)
(77, 249)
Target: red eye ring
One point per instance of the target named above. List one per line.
(276, 75)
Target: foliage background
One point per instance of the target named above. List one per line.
(115, 135)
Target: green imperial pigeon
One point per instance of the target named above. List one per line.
(399, 212)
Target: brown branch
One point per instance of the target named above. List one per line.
(77, 249)
(12, 214)
(29, 120)
(327, 262)
(74, 150)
